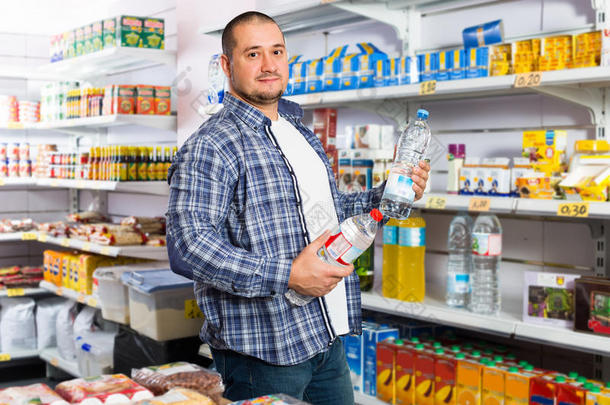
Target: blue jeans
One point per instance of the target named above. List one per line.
(323, 379)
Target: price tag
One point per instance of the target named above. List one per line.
(29, 236)
(54, 183)
(80, 298)
(80, 184)
(92, 302)
(575, 210)
(191, 310)
(428, 87)
(5, 357)
(42, 237)
(436, 203)
(15, 292)
(105, 251)
(532, 79)
(65, 242)
(54, 362)
(313, 98)
(479, 204)
(86, 246)
(59, 291)
(1, 182)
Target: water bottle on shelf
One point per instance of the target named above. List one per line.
(216, 81)
(347, 243)
(459, 265)
(398, 195)
(486, 255)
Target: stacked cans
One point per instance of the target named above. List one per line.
(29, 111)
(9, 109)
(63, 165)
(15, 160)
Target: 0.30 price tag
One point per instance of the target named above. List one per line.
(479, 204)
(428, 87)
(532, 79)
(575, 210)
(436, 203)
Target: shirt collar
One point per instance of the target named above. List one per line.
(253, 117)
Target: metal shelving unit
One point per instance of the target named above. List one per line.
(141, 187)
(22, 292)
(51, 356)
(70, 294)
(164, 122)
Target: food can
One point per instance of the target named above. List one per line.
(3, 150)
(3, 168)
(13, 151)
(25, 168)
(13, 168)
(24, 151)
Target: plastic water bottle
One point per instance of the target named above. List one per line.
(398, 195)
(216, 80)
(459, 265)
(487, 255)
(348, 241)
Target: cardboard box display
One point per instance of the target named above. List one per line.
(290, 86)
(128, 30)
(546, 150)
(349, 71)
(315, 72)
(371, 337)
(428, 66)
(145, 99)
(299, 72)
(333, 68)
(109, 37)
(549, 299)
(97, 41)
(163, 100)
(367, 61)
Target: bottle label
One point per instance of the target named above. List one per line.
(486, 244)
(339, 249)
(412, 237)
(390, 235)
(458, 283)
(400, 185)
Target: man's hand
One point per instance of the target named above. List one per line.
(420, 178)
(311, 276)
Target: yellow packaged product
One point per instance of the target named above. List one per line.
(500, 60)
(86, 266)
(539, 188)
(65, 268)
(546, 150)
(587, 183)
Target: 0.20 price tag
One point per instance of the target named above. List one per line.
(575, 210)
(532, 79)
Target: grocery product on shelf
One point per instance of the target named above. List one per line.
(371, 336)
(487, 256)
(548, 298)
(179, 396)
(47, 311)
(483, 34)
(103, 388)
(457, 153)
(592, 305)
(410, 277)
(459, 262)
(390, 267)
(15, 160)
(17, 225)
(398, 195)
(9, 109)
(94, 351)
(20, 277)
(31, 394)
(17, 324)
(153, 33)
(325, 127)
(546, 150)
(163, 378)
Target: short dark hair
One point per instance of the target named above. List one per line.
(228, 39)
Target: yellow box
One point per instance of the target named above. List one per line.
(546, 150)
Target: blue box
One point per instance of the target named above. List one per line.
(428, 66)
(315, 72)
(299, 73)
(367, 62)
(477, 62)
(484, 34)
(371, 337)
(443, 66)
(349, 71)
(354, 353)
(333, 68)
(381, 73)
(290, 86)
(393, 72)
(457, 62)
(408, 70)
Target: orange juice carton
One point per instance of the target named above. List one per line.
(424, 375)
(386, 359)
(52, 265)
(572, 391)
(543, 389)
(445, 367)
(517, 385)
(371, 337)
(493, 384)
(405, 374)
(546, 150)
(468, 380)
(596, 395)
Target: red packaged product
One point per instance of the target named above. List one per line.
(102, 387)
(325, 127)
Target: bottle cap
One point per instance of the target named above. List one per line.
(528, 367)
(573, 374)
(595, 388)
(580, 379)
(376, 214)
(491, 363)
(513, 369)
(498, 359)
(455, 348)
(476, 353)
(414, 340)
(399, 342)
(460, 356)
(453, 148)
(484, 361)
(523, 363)
(423, 114)
(419, 347)
(608, 384)
(511, 356)
(439, 351)
(461, 149)
(560, 379)
(436, 345)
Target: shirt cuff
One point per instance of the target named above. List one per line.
(276, 273)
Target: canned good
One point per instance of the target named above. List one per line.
(3, 168)
(24, 151)
(13, 151)
(3, 150)
(13, 168)
(25, 168)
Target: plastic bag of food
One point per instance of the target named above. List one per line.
(64, 328)
(179, 396)
(275, 399)
(160, 379)
(18, 324)
(114, 388)
(30, 394)
(46, 318)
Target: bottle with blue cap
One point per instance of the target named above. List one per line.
(398, 195)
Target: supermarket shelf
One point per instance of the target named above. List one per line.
(11, 237)
(108, 62)
(17, 181)
(25, 73)
(141, 251)
(141, 187)
(434, 310)
(484, 86)
(575, 340)
(18, 355)
(461, 202)
(70, 294)
(52, 357)
(165, 122)
(363, 399)
(527, 206)
(22, 292)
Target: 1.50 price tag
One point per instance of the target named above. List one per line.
(428, 87)
(531, 79)
(479, 204)
(436, 203)
(575, 210)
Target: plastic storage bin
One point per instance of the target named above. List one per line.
(160, 303)
(113, 295)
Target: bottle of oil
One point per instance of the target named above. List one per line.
(167, 159)
(123, 163)
(160, 164)
(142, 164)
(151, 167)
(132, 165)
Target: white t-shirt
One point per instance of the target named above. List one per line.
(318, 204)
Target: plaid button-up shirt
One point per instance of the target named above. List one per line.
(235, 224)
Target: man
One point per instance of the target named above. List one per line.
(252, 198)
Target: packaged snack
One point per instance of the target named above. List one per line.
(153, 33)
(161, 379)
(349, 71)
(31, 394)
(315, 71)
(145, 99)
(128, 31)
(549, 298)
(368, 59)
(179, 396)
(102, 387)
(332, 69)
(96, 36)
(592, 295)
(546, 150)
(163, 100)
(86, 217)
(275, 399)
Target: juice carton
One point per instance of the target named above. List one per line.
(386, 360)
(349, 71)
(325, 127)
(571, 393)
(354, 352)
(497, 183)
(517, 385)
(97, 41)
(393, 78)
(408, 70)
(543, 388)
(597, 396)
(405, 375)
(163, 96)
(428, 66)
(456, 60)
(52, 267)
(424, 375)
(109, 33)
(382, 71)
(333, 68)
(291, 62)
(299, 71)
(372, 336)
(153, 33)
(477, 62)
(546, 150)
(444, 65)
(367, 61)
(480, 175)
(128, 30)
(79, 41)
(315, 72)
(493, 384)
(145, 99)
(445, 368)
(468, 381)
(87, 37)
(467, 176)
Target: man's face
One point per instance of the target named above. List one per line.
(258, 71)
